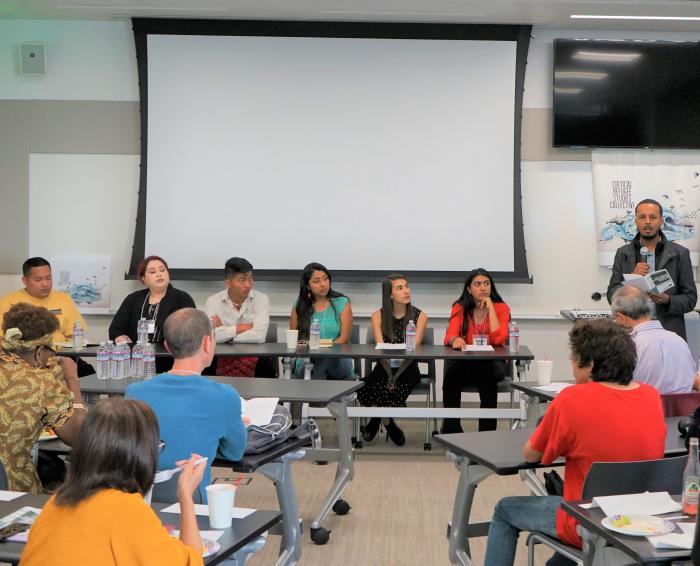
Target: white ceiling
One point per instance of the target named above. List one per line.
(546, 13)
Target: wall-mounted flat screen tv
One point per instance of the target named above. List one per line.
(626, 93)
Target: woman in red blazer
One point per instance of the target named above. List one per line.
(479, 313)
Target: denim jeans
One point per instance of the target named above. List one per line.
(325, 368)
(515, 514)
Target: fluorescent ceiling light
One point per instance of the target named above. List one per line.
(604, 17)
(608, 56)
(589, 76)
(559, 90)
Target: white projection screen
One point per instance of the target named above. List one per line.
(368, 154)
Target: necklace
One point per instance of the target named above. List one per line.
(183, 371)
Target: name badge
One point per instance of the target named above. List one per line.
(151, 326)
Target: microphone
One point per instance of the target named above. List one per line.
(648, 257)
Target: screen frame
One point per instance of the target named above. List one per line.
(521, 34)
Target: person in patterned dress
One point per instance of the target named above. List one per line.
(37, 391)
(391, 381)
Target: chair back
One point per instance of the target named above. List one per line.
(166, 492)
(680, 404)
(271, 337)
(618, 478)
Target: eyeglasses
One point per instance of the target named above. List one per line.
(161, 446)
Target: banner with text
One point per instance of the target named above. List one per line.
(622, 178)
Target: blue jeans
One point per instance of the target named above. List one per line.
(325, 368)
(515, 514)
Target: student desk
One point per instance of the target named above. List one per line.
(479, 454)
(533, 396)
(241, 532)
(637, 548)
(335, 395)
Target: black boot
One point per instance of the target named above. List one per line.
(371, 428)
(395, 433)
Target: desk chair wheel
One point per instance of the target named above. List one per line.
(427, 446)
(320, 535)
(341, 507)
(357, 444)
(435, 433)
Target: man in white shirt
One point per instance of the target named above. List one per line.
(240, 314)
(663, 358)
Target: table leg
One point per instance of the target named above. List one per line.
(287, 367)
(469, 478)
(532, 410)
(530, 479)
(280, 473)
(344, 472)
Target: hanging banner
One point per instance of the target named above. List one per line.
(622, 178)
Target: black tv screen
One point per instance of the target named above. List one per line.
(626, 93)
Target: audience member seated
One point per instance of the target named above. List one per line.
(154, 303)
(663, 358)
(596, 420)
(195, 414)
(391, 381)
(37, 390)
(38, 291)
(99, 515)
(318, 301)
(240, 315)
(479, 313)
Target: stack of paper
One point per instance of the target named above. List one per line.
(390, 347)
(679, 541)
(201, 509)
(555, 386)
(656, 503)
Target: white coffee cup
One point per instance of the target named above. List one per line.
(292, 339)
(221, 497)
(544, 371)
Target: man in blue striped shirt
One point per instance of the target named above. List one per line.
(663, 358)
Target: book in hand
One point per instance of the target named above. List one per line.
(655, 282)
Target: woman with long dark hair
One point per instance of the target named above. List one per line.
(99, 516)
(479, 313)
(318, 301)
(391, 381)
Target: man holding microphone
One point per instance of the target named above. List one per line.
(650, 250)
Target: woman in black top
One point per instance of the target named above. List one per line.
(154, 303)
(391, 381)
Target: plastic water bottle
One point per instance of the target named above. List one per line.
(113, 355)
(691, 480)
(315, 335)
(126, 360)
(136, 369)
(78, 337)
(103, 361)
(411, 336)
(149, 361)
(118, 360)
(142, 331)
(513, 337)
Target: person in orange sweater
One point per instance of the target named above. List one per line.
(99, 516)
(479, 313)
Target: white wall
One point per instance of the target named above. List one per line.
(95, 60)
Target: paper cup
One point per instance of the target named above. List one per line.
(544, 371)
(221, 497)
(292, 339)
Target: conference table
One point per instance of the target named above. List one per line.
(334, 395)
(240, 533)
(478, 455)
(637, 548)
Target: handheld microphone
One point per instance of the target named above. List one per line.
(644, 252)
(648, 257)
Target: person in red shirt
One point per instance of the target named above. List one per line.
(478, 313)
(596, 420)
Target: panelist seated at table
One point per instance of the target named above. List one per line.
(663, 358)
(154, 303)
(195, 414)
(318, 301)
(38, 291)
(391, 381)
(479, 315)
(596, 420)
(240, 315)
(99, 516)
(37, 390)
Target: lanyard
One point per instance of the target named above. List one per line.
(481, 334)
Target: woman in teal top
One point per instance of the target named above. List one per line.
(318, 301)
